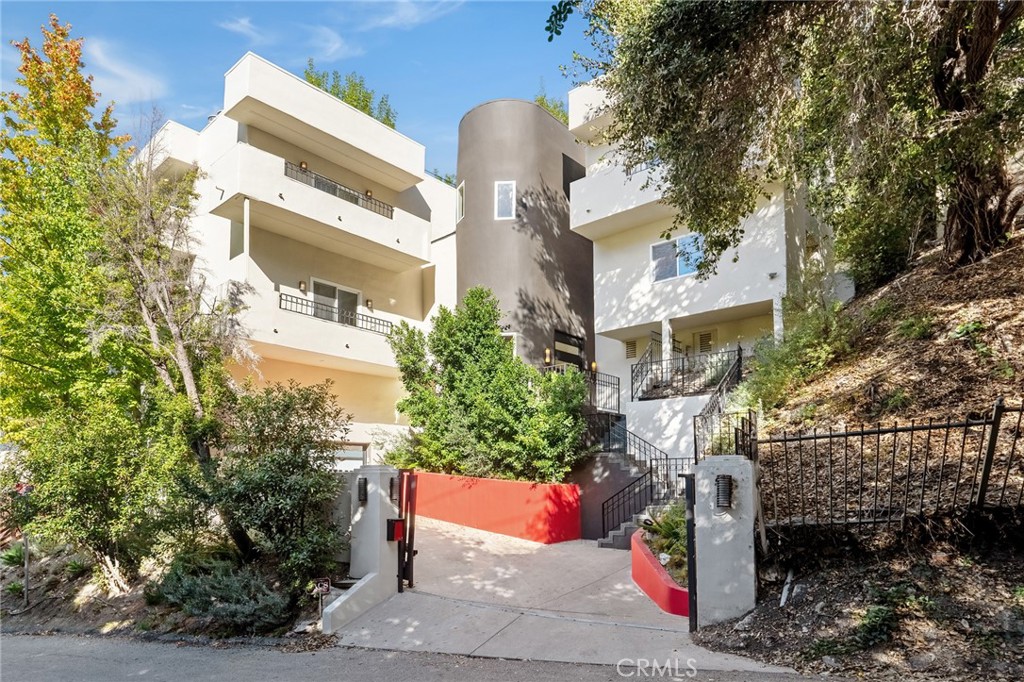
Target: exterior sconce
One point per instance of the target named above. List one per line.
(369, 194)
(303, 165)
(547, 356)
(723, 491)
(772, 275)
(393, 487)
(361, 489)
(369, 304)
(302, 285)
(593, 366)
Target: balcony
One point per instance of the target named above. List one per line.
(612, 200)
(313, 209)
(325, 184)
(175, 149)
(304, 306)
(295, 329)
(263, 95)
(589, 114)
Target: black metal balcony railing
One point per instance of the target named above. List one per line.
(602, 389)
(304, 306)
(324, 184)
(680, 376)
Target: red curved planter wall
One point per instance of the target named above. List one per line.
(651, 577)
(541, 512)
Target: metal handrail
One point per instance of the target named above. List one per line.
(304, 306)
(602, 389)
(325, 184)
(683, 375)
(641, 369)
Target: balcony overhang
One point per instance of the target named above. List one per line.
(301, 227)
(284, 353)
(622, 218)
(262, 95)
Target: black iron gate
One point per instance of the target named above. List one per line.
(407, 511)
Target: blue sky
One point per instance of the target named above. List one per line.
(436, 60)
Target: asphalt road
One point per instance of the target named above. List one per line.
(62, 658)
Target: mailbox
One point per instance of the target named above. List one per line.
(396, 530)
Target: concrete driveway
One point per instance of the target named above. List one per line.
(483, 594)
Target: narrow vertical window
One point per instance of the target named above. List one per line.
(504, 200)
(460, 201)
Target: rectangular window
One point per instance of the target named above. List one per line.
(335, 303)
(349, 456)
(676, 258)
(460, 201)
(705, 341)
(505, 200)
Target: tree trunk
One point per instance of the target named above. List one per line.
(238, 534)
(117, 583)
(981, 215)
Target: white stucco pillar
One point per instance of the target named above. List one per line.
(726, 569)
(666, 339)
(245, 239)
(374, 560)
(777, 316)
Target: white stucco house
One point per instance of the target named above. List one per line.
(332, 219)
(653, 319)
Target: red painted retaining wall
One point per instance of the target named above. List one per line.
(541, 512)
(651, 577)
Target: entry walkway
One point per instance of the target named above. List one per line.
(483, 594)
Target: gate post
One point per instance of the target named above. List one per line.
(990, 451)
(725, 512)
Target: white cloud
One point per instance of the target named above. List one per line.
(327, 46)
(190, 112)
(243, 26)
(120, 80)
(407, 14)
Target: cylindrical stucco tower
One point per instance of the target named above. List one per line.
(515, 165)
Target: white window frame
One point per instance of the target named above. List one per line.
(497, 183)
(460, 202)
(513, 337)
(674, 241)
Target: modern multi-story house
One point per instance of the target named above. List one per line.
(331, 218)
(666, 333)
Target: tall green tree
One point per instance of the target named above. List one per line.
(552, 105)
(479, 410)
(898, 116)
(352, 90)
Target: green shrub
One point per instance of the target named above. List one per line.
(971, 334)
(76, 568)
(668, 531)
(875, 626)
(897, 400)
(917, 327)
(236, 598)
(277, 478)
(15, 589)
(14, 555)
(479, 410)
(814, 339)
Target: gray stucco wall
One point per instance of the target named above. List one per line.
(541, 272)
(599, 477)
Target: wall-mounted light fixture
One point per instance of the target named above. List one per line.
(723, 491)
(393, 487)
(593, 366)
(369, 304)
(361, 489)
(302, 285)
(369, 194)
(547, 356)
(772, 275)
(303, 165)
(280, 195)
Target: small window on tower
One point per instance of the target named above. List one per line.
(505, 200)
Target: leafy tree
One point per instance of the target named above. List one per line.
(102, 323)
(894, 114)
(351, 89)
(552, 105)
(479, 410)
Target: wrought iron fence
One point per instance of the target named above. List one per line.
(304, 306)
(325, 184)
(602, 389)
(681, 375)
(660, 484)
(883, 474)
(731, 433)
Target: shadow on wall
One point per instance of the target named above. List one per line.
(563, 299)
